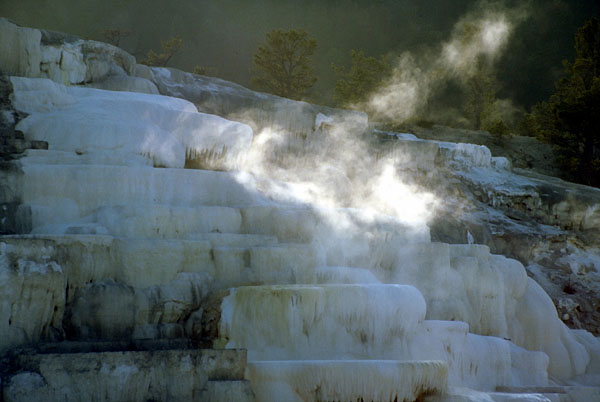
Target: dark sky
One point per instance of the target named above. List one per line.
(223, 34)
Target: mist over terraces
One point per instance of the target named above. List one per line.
(170, 236)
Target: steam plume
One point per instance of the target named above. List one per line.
(479, 37)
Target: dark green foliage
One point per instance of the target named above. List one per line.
(114, 35)
(481, 105)
(169, 48)
(570, 119)
(204, 70)
(283, 65)
(498, 128)
(362, 78)
(480, 91)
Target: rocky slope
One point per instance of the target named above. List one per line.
(172, 211)
(523, 152)
(549, 225)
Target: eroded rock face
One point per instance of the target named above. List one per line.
(46, 302)
(33, 296)
(163, 375)
(108, 310)
(64, 59)
(263, 112)
(20, 48)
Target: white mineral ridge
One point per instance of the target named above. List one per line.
(457, 155)
(162, 128)
(20, 49)
(260, 110)
(146, 221)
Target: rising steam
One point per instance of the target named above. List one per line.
(338, 167)
(479, 37)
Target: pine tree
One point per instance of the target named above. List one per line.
(283, 65)
(169, 48)
(570, 119)
(362, 78)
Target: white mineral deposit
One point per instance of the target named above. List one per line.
(295, 262)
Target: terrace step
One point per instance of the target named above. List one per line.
(346, 380)
(576, 393)
(139, 221)
(283, 263)
(155, 375)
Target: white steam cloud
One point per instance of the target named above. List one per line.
(473, 39)
(354, 188)
(336, 168)
(480, 36)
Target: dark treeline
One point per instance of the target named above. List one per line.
(222, 36)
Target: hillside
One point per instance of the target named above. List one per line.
(168, 236)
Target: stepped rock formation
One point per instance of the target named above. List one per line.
(184, 238)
